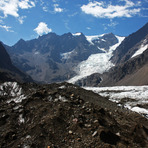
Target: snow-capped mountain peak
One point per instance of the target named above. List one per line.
(93, 37)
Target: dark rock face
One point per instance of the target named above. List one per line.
(8, 72)
(109, 137)
(4, 57)
(121, 54)
(52, 58)
(65, 115)
(92, 80)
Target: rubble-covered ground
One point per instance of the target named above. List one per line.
(134, 98)
(66, 116)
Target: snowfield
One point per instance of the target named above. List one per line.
(96, 63)
(134, 98)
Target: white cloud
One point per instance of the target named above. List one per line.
(21, 19)
(42, 28)
(74, 14)
(57, 8)
(54, 1)
(11, 7)
(66, 23)
(102, 10)
(26, 4)
(112, 23)
(88, 28)
(7, 28)
(45, 9)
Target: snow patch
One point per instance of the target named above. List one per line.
(36, 53)
(96, 63)
(60, 98)
(13, 90)
(141, 50)
(17, 107)
(140, 110)
(77, 34)
(21, 119)
(67, 55)
(62, 87)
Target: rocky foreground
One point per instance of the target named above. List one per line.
(65, 116)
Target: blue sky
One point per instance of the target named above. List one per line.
(27, 19)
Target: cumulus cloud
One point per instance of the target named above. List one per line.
(42, 28)
(57, 8)
(26, 4)
(7, 28)
(103, 10)
(11, 7)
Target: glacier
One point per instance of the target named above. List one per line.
(96, 63)
(133, 98)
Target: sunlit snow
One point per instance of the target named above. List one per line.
(141, 50)
(96, 63)
(13, 90)
(21, 119)
(66, 55)
(77, 34)
(91, 38)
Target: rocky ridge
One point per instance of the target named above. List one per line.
(8, 72)
(131, 44)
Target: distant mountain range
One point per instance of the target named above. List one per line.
(101, 60)
(8, 72)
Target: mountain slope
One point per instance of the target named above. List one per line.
(8, 72)
(53, 58)
(133, 66)
(132, 72)
(124, 52)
